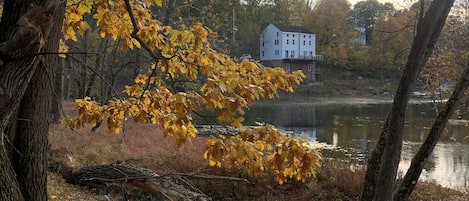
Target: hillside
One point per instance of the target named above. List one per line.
(339, 81)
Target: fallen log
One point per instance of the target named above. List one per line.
(144, 179)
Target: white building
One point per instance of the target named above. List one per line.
(361, 37)
(290, 47)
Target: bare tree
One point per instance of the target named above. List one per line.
(382, 170)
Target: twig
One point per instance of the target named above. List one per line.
(100, 77)
(135, 31)
(210, 177)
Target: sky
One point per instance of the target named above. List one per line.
(398, 4)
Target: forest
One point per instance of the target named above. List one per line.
(235, 29)
(104, 66)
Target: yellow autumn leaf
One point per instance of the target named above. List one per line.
(211, 81)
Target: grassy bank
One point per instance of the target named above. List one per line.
(342, 82)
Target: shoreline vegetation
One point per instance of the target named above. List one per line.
(144, 145)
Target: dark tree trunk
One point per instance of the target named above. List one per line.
(16, 75)
(416, 166)
(425, 39)
(12, 11)
(67, 77)
(31, 141)
(374, 164)
(57, 95)
(101, 51)
(83, 74)
(19, 63)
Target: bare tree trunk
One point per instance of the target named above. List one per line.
(374, 164)
(31, 141)
(69, 79)
(101, 54)
(19, 63)
(12, 11)
(83, 75)
(57, 95)
(416, 166)
(425, 39)
(16, 75)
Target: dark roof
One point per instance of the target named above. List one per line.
(288, 28)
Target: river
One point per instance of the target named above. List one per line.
(355, 123)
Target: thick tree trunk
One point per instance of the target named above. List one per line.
(374, 164)
(31, 140)
(12, 11)
(19, 63)
(16, 75)
(13, 82)
(425, 39)
(9, 187)
(416, 166)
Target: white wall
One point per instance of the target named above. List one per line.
(295, 43)
(268, 48)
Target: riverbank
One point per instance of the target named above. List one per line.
(296, 99)
(144, 145)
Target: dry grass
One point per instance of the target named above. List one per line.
(336, 181)
(138, 141)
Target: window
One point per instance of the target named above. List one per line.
(310, 67)
(304, 42)
(277, 34)
(310, 53)
(293, 42)
(277, 52)
(293, 54)
(262, 53)
(276, 42)
(310, 43)
(262, 43)
(310, 36)
(293, 35)
(288, 35)
(305, 53)
(286, 53)
(287, 41)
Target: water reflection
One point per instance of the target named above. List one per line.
(358, 126)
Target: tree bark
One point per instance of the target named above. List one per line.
(425, 39)
(57, 95)
(31, 140)
(19, 62)
(374, 164)
(12, 11)
(416, 166)
(16, 75)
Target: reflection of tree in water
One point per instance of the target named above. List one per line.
(294, 116)
(412, 149)
(430, 164)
